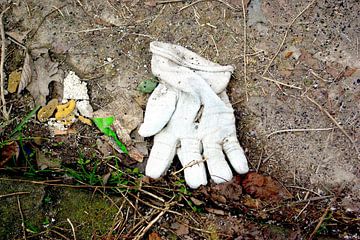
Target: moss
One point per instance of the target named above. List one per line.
(10, 218)
(91, 214)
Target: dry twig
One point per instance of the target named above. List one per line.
(245, 50)
(280, 83)
(13, 194)
(2, 62)
(285, 36)
(299, 130)
(22, 218)
(336, 123)
(72, 228)
(199, 1)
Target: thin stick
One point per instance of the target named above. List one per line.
(2, 62)
(199, 1)
(217, 50)
(140, 236)
(22, 218)
(169, 1)
(245, 49)
(299, 130)
(88, 30)
(190, 164)
(13, 194)
(280, 83)
(336, 123)
(72, 228)
(285, 36)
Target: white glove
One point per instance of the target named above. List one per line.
(190, 81)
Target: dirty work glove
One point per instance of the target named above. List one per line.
(190, 81)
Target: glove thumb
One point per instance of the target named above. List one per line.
(159, 109)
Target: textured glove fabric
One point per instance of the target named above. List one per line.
(187, 82)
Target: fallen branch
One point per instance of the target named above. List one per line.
(2, 62)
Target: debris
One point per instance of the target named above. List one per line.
(104, 125)
(251, 202)
(74, 88)
(148, 86)
(104, 147)
(45, 163)
(216, 211)
(84, 108)
(47, 111)
(46, 71)
(226, 194)
(292, 52)
(150, 3)
(85, 120)
(264, 187)
(255, 14)
(154, 236)
(26, 73)
(127, 113)
(309, 60)
(180, 229)
(64, 110)
(14, 80)
(8, 152)
(66, 131)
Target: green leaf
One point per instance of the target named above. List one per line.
(104, 125)
(147, 86)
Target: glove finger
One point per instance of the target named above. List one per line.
(218, 167)
(189, 154)
(159, 109)
(235, 154)
(161, 155)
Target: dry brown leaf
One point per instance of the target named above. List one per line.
(27, 72)
(8, 152)
(154, 236)
(226, 194)
(46, 71)
(14, 80)
(150, 3)
(264, 187)
(180, 229)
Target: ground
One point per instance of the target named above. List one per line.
(296, 102)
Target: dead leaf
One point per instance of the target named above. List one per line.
(348, 72)
(215, 211)
(45, 72)
(309, 60)
(251, 202)
(85, 120)
(226, 194)
(150, 3)
(47, 111)
(154, 236)
(14, 80)
(264, 187)
(18, 36)
(64, 132)
(105, 177)
(44, 162)
(238, 3)
(27, 72)
(180, 229)
(8, 152)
